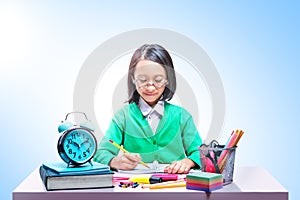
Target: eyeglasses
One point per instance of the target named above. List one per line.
(157, 83)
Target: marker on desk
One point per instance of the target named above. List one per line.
(124, 150)
(154, 178)
(145, 179)
(166, 176)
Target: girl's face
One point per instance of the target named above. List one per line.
(150, 79)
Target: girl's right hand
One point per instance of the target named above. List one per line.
(125, 161)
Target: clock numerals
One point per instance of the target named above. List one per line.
(79, 145)
(78, 134)
(73, 136)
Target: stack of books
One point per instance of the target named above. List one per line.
(204, 181)
(57, 176)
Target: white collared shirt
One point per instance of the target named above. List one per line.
(153, 115)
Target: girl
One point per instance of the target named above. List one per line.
(149, 126)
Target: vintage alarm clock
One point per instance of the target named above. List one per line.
(77, 144)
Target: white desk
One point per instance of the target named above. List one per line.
(248, 183)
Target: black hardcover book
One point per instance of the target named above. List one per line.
(99, 178)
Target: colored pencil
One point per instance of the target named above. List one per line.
(162, 183)
(171, 185)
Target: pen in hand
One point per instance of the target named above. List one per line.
(124, 150)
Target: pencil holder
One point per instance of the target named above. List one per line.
(216, 158)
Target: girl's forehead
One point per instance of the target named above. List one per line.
(150, 68)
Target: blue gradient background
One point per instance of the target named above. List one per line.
(254, 45)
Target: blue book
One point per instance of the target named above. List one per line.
(62, 168)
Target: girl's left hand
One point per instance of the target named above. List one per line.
(180, 167)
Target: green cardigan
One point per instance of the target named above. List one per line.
(176, 136)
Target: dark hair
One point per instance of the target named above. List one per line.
(158, 54)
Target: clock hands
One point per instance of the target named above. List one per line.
(76, 144)
(79, 145)
(85, 141)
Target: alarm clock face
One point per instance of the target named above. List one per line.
(77, 146)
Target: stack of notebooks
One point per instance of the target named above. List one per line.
(204, 181)
(57, 176)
